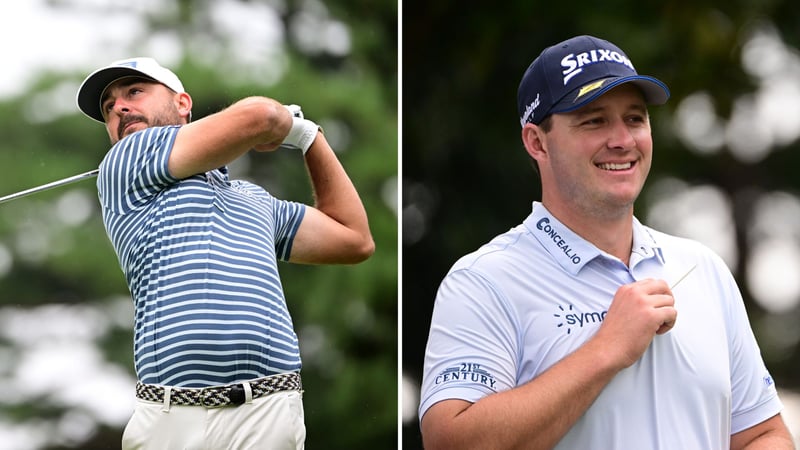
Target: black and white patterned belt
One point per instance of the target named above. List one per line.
(219, 396)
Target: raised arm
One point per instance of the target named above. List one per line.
(336, 229)
(220, 138)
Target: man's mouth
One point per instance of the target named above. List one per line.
(123, 127)
(615, 166)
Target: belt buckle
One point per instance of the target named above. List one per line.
(235, 396)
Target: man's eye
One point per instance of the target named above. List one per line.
(637, 119)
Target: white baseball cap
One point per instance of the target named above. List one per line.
(94, 86)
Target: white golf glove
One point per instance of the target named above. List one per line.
(294, 110)
(303, 131)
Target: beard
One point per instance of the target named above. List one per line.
(168, 115)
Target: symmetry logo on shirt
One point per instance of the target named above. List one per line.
(465, 371)
(570, 318)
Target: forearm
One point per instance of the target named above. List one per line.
(337, 198)
(220, 138)
(771, 434)
(535, 415)
(771, 442)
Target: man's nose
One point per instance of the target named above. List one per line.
(121, 107)
(621, 136)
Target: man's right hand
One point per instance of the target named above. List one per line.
(638, 312)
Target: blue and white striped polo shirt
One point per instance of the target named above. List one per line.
(510, 310)
(200, 257)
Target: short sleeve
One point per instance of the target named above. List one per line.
(135, 170)
(288, 216)
(472, 348)
(754, 397)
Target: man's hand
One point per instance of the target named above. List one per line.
(638, 312)
(295, 112)
(303, 131)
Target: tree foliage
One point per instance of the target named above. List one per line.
(55, 258)
(467, 178)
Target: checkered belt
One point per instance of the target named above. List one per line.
(219, 396)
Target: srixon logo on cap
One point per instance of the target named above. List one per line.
(573, 64)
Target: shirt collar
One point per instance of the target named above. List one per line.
(572, 252)
(644, 245)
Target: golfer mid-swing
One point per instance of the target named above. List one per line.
(215, 351)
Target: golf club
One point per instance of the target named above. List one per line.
(44, 187)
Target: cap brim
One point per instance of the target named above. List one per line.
(654, 90)
(93, 87)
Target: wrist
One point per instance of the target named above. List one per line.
(302, 134)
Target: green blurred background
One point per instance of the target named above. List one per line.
(726, 146)
(727, 153)
(66, 378)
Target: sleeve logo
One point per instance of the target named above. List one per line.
(466, 372)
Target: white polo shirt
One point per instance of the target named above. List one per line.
(519, 304)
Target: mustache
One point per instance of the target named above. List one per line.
(126, 120)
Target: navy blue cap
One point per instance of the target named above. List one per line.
(571, 74)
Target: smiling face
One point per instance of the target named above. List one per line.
(132, 104)
(594, 161)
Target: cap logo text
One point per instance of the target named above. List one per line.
(529, 110)
(573, 64)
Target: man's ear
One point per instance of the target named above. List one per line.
(184, 105)
(533, 139)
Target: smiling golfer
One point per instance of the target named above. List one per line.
(215, 350)
(564, 332)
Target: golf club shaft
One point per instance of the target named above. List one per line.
(44, 187)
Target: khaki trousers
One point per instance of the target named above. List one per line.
(274, 422)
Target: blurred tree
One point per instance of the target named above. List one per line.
(467, 178)
(336, 59)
